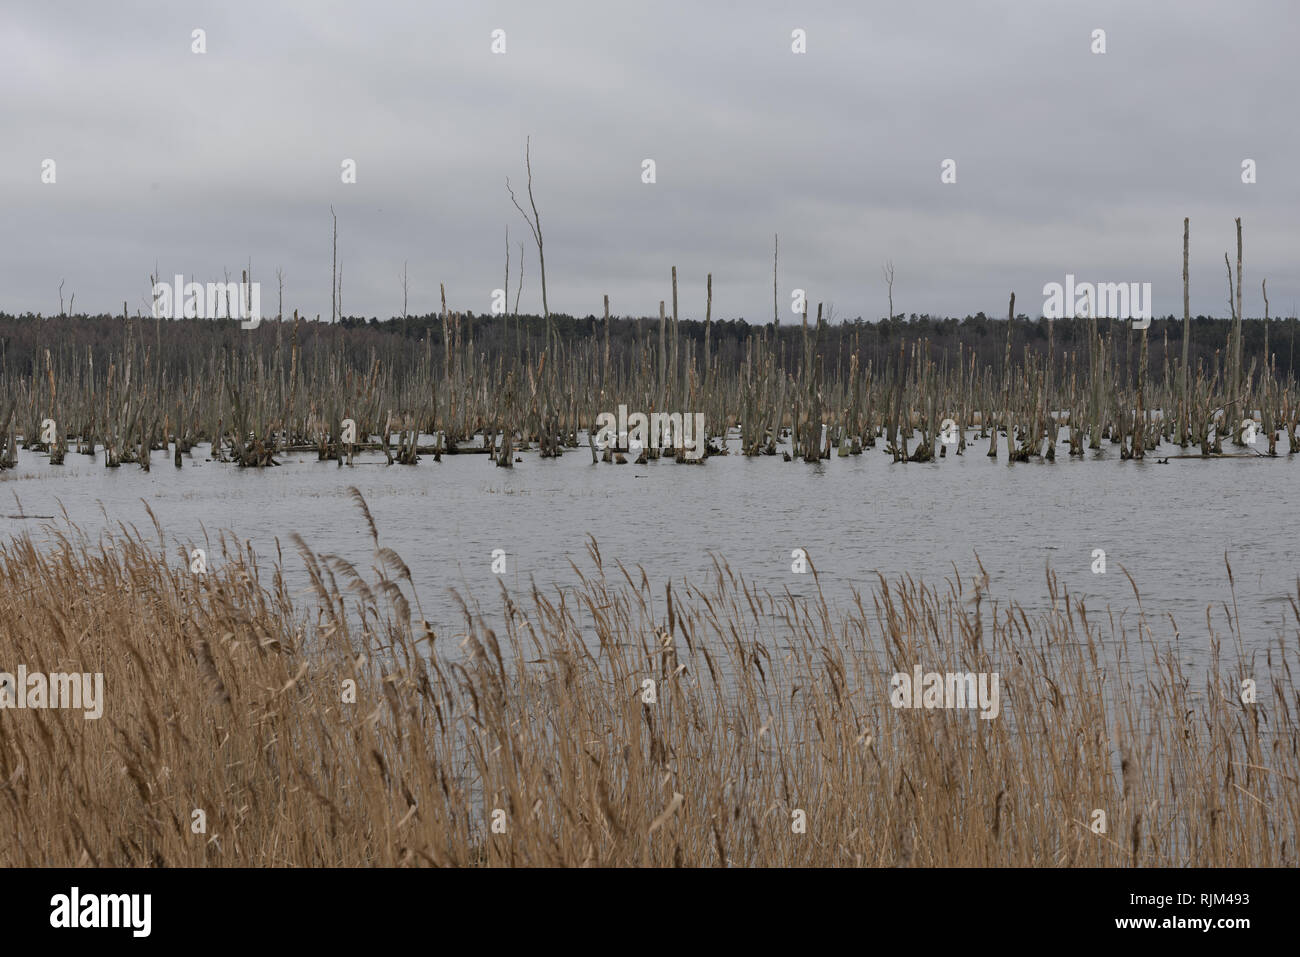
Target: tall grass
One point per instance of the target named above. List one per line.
(224, 696)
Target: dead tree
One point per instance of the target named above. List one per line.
(334, 269)
(887, 271)
(519, 286)
(776, 310)
(1185, 424)
(535, 223)
(1232, 412)
(708, 322)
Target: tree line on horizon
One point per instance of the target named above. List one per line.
(25, 337)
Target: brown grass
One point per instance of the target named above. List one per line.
(222, 697)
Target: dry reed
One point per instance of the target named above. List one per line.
(223, 697)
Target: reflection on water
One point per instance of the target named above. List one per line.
(1168, 525)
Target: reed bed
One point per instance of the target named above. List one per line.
(224, 694)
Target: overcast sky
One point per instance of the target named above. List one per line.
(1066, 160)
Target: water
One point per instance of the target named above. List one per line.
(1169, 525)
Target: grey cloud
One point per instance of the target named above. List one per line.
(1066, 161)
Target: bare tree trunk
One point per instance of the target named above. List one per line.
(448, 354)
(673, 369)
(1185, 425)
(519, 287)
(708, 320)
(888, 271)
(534, 224)
(334, 269)
(1268, 358)
(1005, 417)
(663, 347)
(1235, 422)
(1140, 429)
(776, 314)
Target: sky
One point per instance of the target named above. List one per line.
(1067, 161)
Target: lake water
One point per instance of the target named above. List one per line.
(1170, 525)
